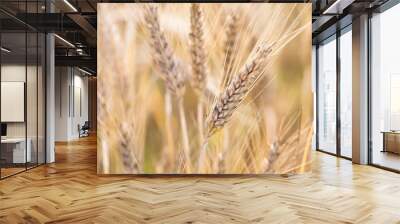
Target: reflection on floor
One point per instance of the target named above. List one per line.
(10, 171)
(386, 159)
(14, 169)
(70, 191)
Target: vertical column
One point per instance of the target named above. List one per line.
(317, 114)
(360, 89)
(338, 91)
(92, 101)
(50, 92)
(62, 103)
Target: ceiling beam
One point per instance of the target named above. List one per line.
(337, 7)
(83, 61)
(49, 22)
(84, 24)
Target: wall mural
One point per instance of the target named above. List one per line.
(210, 88)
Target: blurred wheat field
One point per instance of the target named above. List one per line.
(210, 88)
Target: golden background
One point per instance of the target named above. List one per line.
(156, 111)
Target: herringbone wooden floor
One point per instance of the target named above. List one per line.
(69, 191)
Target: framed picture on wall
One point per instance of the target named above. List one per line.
(211, 88)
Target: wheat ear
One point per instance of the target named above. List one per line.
(163, 55)
(238, 88)
(231, 34)
(198, 54)
(126, 148)
(234, 94)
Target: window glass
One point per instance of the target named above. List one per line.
(22, 90)
(15, 150)
(314, 77)
(346, 94)
(327, 96)
(385, 85)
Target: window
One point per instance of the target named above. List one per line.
(327, 96)
(314, 84)
(346, 93)
(22, 92)
(385, 89)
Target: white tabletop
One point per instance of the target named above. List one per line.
(12, 140)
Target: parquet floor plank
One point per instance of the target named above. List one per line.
(70, 191)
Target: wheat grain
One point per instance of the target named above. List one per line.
(198, 54)
(238, 88)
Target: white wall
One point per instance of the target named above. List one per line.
(71, 94)
(81, 103)
(62, 81)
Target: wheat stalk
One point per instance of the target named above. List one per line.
(171, 72)
(168, 126)
(163, 55)
(199, 67)
(185, 136)
(238, 88)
